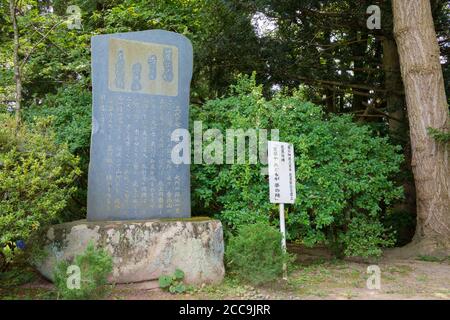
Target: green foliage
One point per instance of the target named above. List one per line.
(16, 277)
(432, 258)
(173, 283)
(6, 255)
(365, 237)
(344, 172)
(403, 223)
(70, 108)
(36, 179)
(255, 254)
(61, 56)
(95, 266)
(440, 136)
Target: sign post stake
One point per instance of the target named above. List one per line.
(281, 183)
(283, 238)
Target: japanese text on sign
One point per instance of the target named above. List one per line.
(281, 172)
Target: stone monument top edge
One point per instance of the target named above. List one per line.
(156, 33)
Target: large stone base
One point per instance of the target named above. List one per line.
(143, 250)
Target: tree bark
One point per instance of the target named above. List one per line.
(17, 73)
(427, 108)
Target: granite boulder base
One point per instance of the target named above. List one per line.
(143, 250)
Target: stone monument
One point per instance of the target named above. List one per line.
(138, 198)
(140, 96)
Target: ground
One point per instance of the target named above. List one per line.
(316, 275)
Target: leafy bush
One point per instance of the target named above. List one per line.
(255, 253)
(173, 283)
(36, 180)
(344, 172)
(95, 266)
(364, 238)
(70, 109)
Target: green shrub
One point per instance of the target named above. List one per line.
(36, 180)
(255, 254)
(70, 109)
(173, 283)
(344, 172)
(95, 266)
(364, 238)
(17, 277)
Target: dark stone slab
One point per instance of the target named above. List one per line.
(140, 90)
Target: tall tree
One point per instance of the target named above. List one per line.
(427, 108)
(17, 74)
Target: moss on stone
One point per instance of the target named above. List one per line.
(191, 219)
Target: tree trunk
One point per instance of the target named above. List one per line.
(394, 85)
(427, 108)
(396, 108)
(17, 75)
(329, 94)
(359, 52)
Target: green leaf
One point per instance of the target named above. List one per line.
(165, 281)
(179, 274)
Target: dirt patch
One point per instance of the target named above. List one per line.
(316, 275)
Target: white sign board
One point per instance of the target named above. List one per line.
(281, 172)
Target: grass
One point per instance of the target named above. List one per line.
(350, 295)
(400, 269)
(433, 259)
(12, 280)
(422, 278)
(16, 277)
(323, 278)
(27, 294)
(230, 287)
